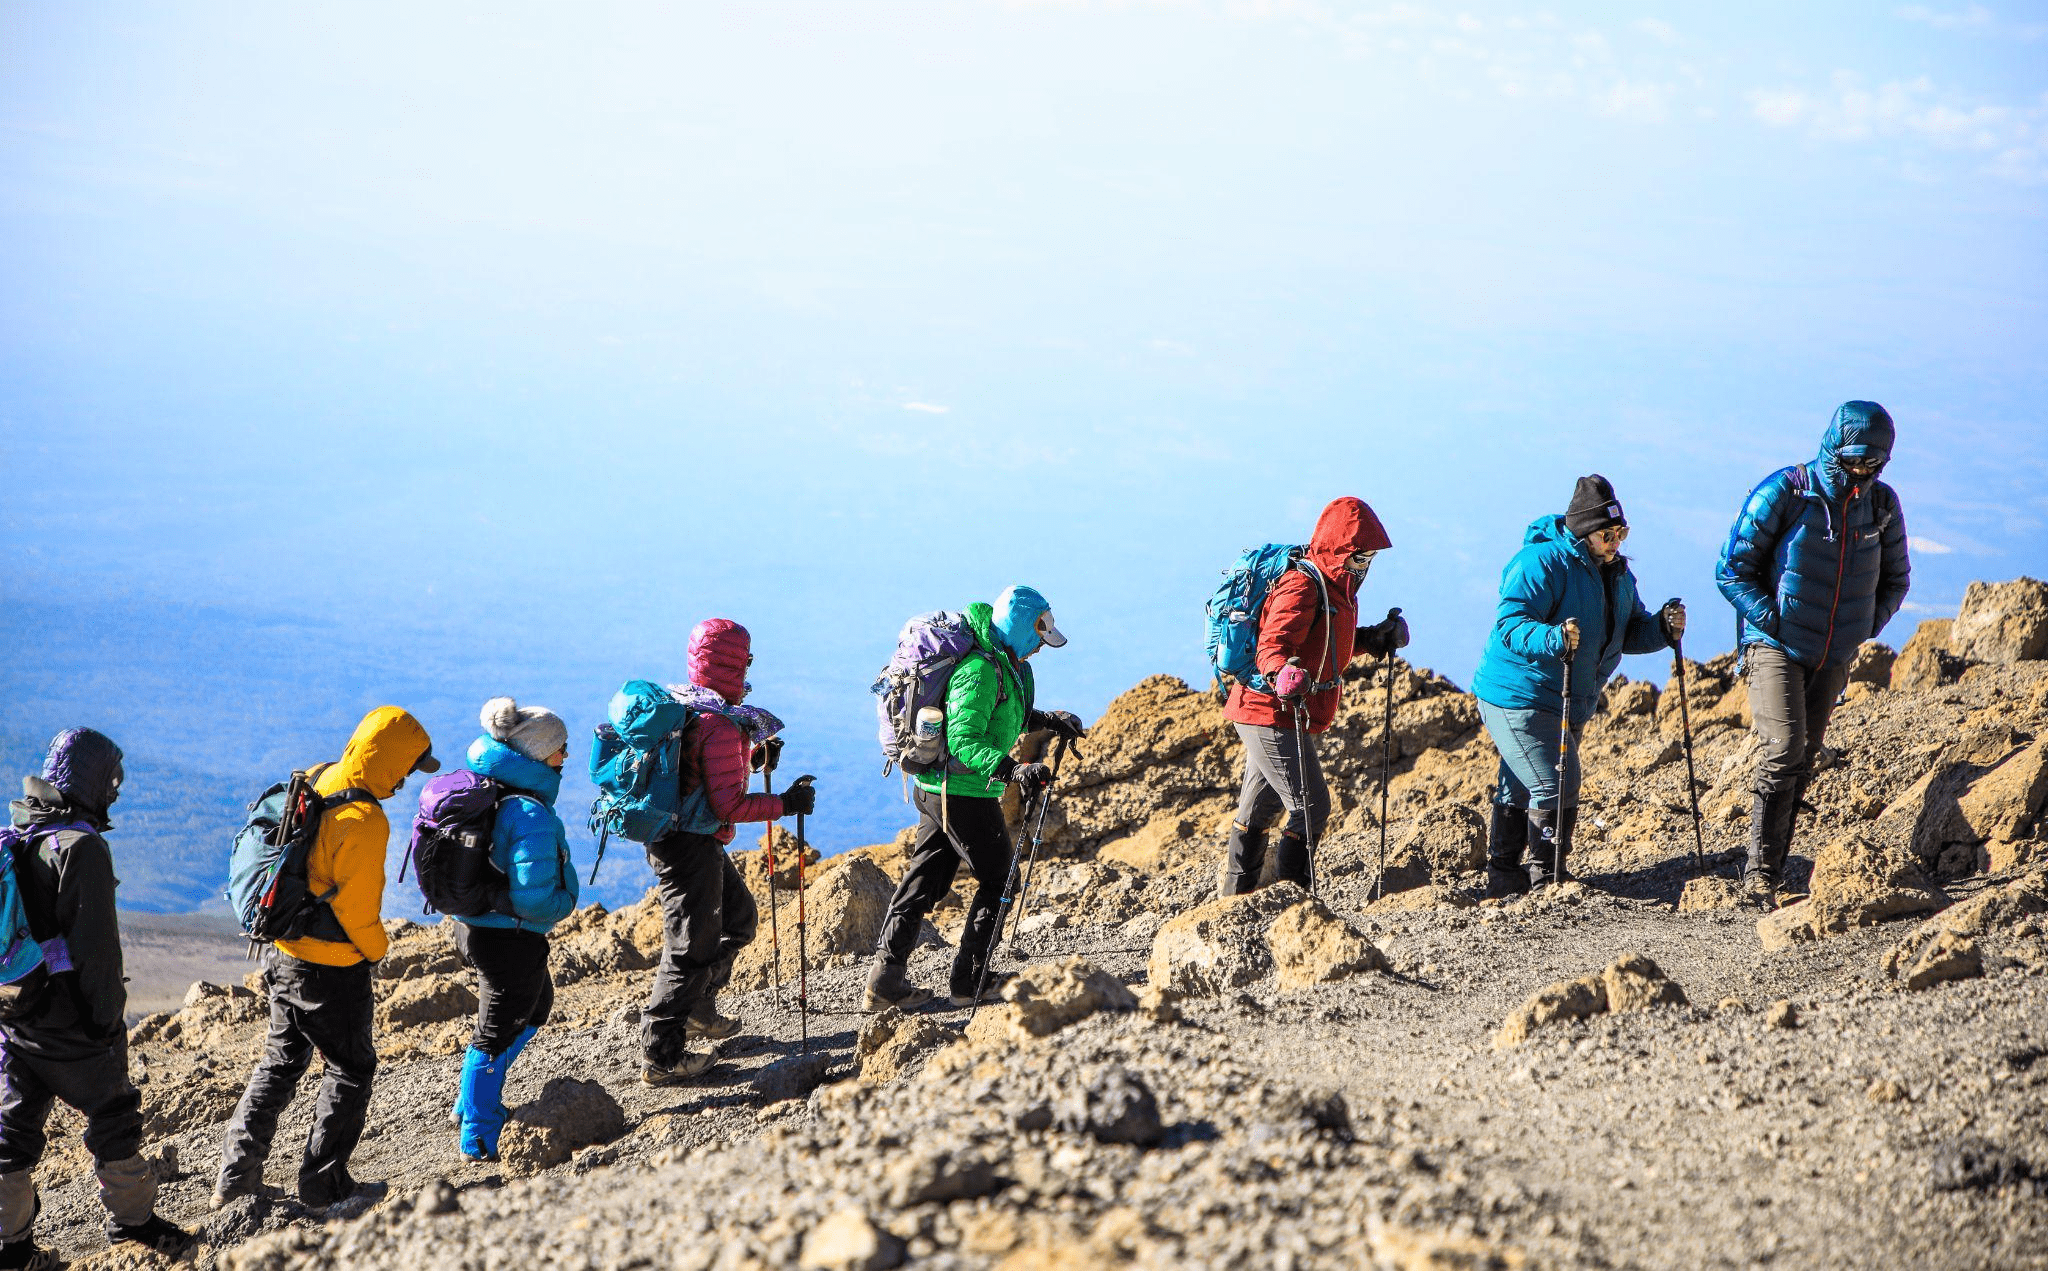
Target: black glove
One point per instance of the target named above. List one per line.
(801, 799)
(766, 755)
(1031, 778)
(1061, 723)
(1671, 621)
(1383, 637)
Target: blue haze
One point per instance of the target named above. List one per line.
(353, 354)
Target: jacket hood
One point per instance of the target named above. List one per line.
(1859, 430)
(1550, 528)
(84, 766)
(489, 757)
(1347, 525)
(382, 752)
(1014, 619)
(719, 648)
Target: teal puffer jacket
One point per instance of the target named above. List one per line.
(1551, 579)
(527, 840)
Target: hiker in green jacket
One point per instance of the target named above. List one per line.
(959, 805)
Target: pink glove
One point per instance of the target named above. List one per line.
(1291, 682)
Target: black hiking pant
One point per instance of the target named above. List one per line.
(707, 917)
(514, 992)
(981, 839)
(313, 1007)
(97, 1085)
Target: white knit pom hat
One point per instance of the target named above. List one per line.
(533, 731)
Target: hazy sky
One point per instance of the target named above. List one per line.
(543, 331)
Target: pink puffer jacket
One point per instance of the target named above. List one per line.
(719, 649)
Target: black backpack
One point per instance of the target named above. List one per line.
(451, 845)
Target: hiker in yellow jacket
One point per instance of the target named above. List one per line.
(320, 989)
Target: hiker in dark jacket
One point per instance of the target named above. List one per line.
(68, 1038)
(708, 915)
(988, 706)
(321, 996)
(1567, 596)
(523, 749)
(1815, 565)
(1307, 636)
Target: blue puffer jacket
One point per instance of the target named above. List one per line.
(1551, 579)
(528, 841)
(1816, 564)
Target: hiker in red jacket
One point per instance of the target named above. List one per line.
(1307, 637)
(708, 915)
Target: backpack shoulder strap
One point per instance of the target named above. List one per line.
(352, 794)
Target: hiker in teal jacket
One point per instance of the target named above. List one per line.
(1568, 595)
(523, 749)
(989, 705)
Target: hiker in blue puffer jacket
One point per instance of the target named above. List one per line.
(1815, 565)
(1568, 595)
(523, 749)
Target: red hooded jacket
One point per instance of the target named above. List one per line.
(1293, 623)
(718, 749)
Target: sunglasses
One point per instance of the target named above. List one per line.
(1364, 558)
(1613, 534)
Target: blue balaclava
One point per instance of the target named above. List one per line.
(1862, 431)
(1016, 621)
(85, 767)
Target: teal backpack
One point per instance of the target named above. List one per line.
(636, 763)
(1233, 611)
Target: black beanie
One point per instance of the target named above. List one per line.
(1594, 507)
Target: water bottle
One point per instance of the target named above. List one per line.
(930, 735)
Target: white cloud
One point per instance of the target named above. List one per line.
(1638, 102)
(1973, 20)
(1928, 547)
(926, 408)
(1657, 29)
(2012, 138)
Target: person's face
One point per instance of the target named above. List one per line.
(557, 759)
(1860, 470)
(1358, 562)
(1606, 544)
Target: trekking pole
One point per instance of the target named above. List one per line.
(1692, 785)
(1564, 743)
(1386, 760)
(774, 926)
(1059, 750)
(1003, 905)
(803, 979)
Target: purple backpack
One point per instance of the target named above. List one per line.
(451, 845)
(928, 648)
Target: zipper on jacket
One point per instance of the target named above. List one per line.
(1841, 564)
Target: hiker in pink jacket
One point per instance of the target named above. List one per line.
(708, 915)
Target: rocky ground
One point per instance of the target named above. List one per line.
(1625, 1071)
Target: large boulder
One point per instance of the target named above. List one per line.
(844, 907)
(570, 1113)
(1311, 945)
(1048, 996)
(433, 1000)
(1989, 913)
(2002, 622)
(1214, 948)
(1632, 982)
(1446, 840)
(1927, 661)
(1872, 664)
(2003, 803)
(1859, 880)
(892, 1044)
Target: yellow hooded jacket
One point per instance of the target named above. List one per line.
(349, 854)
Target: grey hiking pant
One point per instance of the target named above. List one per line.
(1527, 742)
(313, 1008)
(1791, 706)
(1281, 771)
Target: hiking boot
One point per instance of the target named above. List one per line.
(158, 1233)
(889, 985)
(992, 992)
(689, 1066)
(1244, 856)
(26, 1255)
(1543, 836)
(320, 1191)
(707, 1023)
(1506, 839)
(229, 1190)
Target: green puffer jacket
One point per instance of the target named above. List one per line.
(987, 699)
